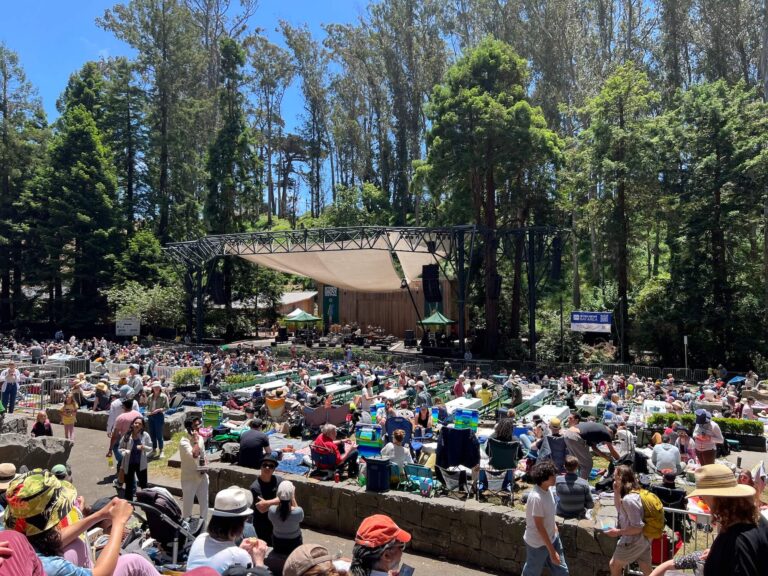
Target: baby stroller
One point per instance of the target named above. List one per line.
(173, 533)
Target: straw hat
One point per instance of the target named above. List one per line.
(554, 422)
(305, 557)
(718, 480)
(7, 474)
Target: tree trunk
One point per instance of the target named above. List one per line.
(622, 262)
(491, 297)
(576, 292)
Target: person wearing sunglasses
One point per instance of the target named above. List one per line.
(264, 490)
(379, 546)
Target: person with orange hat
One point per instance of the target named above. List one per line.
(379, 545)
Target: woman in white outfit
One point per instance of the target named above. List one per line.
(194, 478)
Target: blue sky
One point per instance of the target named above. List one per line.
(54, 38)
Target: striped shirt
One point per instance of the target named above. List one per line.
(574, 496)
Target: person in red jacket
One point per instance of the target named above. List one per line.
(327, 438)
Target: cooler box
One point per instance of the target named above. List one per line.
(463, 418)
(377, 473)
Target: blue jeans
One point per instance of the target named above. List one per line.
(156, 422)
(116, 450)
(9, 397)
(537, 558)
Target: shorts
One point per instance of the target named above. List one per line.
(637, 551)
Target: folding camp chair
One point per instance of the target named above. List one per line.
(276, 407)
(499, 478)
(369, 440)
(454, 481)
(419, 479)
(323, 462)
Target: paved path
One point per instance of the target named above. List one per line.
(93, 480)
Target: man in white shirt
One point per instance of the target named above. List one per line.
(135, 381)
(542, 539)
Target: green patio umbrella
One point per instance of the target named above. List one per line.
(437, 319)
(301, 318)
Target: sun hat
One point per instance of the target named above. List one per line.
(378, 530)
(286, 490)
(718, 480)
(157, 384)
(554, 422)
(37, 502)
(305, 557)
(7, 474)
(271, 459)
(134, 367)
(233, 502)
(702, 416)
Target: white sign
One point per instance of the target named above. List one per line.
(591, 321)
(128, 327)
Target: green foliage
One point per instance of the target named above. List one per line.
(156, 306)
(186, 377)
(727, 425)
(239, 378)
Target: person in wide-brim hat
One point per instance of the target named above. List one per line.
(717, 480)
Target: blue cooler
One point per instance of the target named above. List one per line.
(377, 471)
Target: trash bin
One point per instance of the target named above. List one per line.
(377, 474)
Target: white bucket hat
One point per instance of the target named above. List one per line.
(233, 502)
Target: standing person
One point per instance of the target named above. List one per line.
(116, 409)
(379, 546)
(542, 539)
(157, 404)
(10, 378)
(194, 477)
(135, 381)
(286, 517)
(68, 415)
(632, 546)
(264, 492)
(707, 436)
(134, 446)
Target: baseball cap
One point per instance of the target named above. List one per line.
(378, 530)
(126, 392)
(305, 557)
(60, 471)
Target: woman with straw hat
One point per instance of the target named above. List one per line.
(741, 545)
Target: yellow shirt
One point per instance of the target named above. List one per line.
(485, 395)
(68, 414)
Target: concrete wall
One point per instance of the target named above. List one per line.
(480, 534)
(98, 421)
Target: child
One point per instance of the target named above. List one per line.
(68, 414)
(42, 425)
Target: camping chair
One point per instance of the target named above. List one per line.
(502, 459)
(369, 440)
(454, 481)
(399, 423)
(323, 462)
(419, 479)
(276, 407)
(213, 415)
(677, 499)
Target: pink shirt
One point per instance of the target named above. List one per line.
(123, 422)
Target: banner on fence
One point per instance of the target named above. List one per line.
(591, 321)
(128, 327)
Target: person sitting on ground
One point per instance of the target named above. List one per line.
(686, 445)
(404, 411)
(327, 438)
(310, 560)
(397, 453)
(379, 546)
(574, 494)
(102, 396)
(665, 456)
(254, 445)
(387, 411)
(286, 517)
(216, 548)
(264, 492)
(41, 507)
(42, 426)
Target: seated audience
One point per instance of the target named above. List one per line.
(665, 456)
(254, 445)
(328, 439)
(574, 494)
(396, 452)
(310, 560)
(379, 546)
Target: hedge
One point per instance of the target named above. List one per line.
(727, 425)
(186, 376)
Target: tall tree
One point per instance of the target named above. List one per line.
(486, 134)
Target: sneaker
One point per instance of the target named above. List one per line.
(116, 484)
(162, 454)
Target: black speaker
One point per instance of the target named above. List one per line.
(557, 253)
(216, 287)
(409, 335)
(282, 334)
(430, 277)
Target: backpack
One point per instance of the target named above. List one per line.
(653, 514)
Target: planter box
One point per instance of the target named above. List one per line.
(749, 442)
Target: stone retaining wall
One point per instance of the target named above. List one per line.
(98, 421)
(471, 532)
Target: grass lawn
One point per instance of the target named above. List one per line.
(160, 465)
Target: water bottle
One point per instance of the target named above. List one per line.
(110, 461)
(336, 478)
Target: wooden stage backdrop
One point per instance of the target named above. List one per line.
(393, 311)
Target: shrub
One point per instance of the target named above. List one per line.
(239, 378)
(186, 376)
(727, 425)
